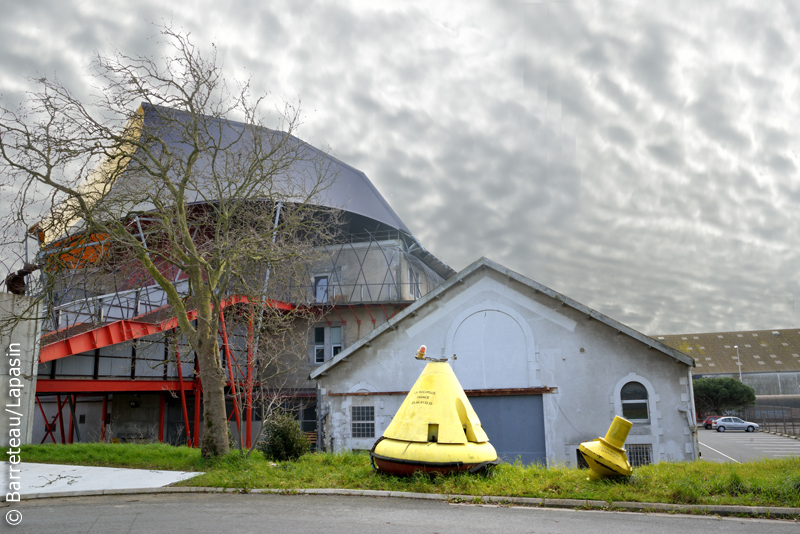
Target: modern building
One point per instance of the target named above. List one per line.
(109, 362)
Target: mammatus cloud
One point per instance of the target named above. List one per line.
(641, 158)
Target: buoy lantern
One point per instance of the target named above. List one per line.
(606, 456)
(435, 430)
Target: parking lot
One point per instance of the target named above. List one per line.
(744, 446)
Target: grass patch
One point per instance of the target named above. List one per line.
(774, 482)
(148, 456)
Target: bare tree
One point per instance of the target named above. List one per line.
(153, 183)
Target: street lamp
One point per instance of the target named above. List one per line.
(738, 362)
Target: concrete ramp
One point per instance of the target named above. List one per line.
(52, 478)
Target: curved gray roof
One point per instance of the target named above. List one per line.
(350, 189)
(131, 192)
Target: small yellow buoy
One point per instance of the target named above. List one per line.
(606, 456)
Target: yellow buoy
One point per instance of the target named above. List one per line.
(606, 456)
(435, 429)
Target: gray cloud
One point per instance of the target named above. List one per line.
(641, 158)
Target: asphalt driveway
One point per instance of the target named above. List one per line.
(744, 446)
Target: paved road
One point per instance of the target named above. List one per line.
(241, 514)
(744, 446)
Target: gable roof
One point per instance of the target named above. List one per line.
(485, 263)
(761, 351)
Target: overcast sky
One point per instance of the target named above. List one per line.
(642, 160)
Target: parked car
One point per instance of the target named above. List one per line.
(710, 419)
(733, 423)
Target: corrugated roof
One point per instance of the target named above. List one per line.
(760, 350)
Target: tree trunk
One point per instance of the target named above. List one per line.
(212, 377)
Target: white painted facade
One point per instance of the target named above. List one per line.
(509, 332)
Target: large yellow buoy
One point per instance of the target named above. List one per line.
(435, 429)
(606, 456)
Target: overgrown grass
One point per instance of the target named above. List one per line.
(149, 456)
(774, 482)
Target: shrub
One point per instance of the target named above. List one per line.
(282, 438)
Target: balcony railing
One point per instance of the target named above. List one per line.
(110, 307)
(134, 303)
(358, 293)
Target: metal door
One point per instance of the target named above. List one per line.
(515, 426)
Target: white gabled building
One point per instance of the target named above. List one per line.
(543, 372)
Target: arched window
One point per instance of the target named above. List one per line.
(634, 403)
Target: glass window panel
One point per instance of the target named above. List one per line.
(635, 411)
(363, 430)
(363, 413)
(337, 349)
(321, 289)
(319, 355)
(633, 391)
(363, 421)
(319, 335)
(336, 335)
(310, 412)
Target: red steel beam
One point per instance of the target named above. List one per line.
(71, 419)
(127, 330)
(230, 370)
(60, 417)
(248, 411)
(197, 414)
(48, 427)
(49, 385)
(354, 314)
(183, 392)
(370, 313)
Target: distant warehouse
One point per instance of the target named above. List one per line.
(769, 359)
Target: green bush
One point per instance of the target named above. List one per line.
(282, 438)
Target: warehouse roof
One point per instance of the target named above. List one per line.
(759, 350)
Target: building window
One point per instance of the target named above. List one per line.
(321, 288)
(327, 343)
(319, 345)
(363, 421)
(639, 454)
(336, 340)
(634, 403)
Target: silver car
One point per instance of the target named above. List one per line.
(733, 423)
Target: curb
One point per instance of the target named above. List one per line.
(583, 504)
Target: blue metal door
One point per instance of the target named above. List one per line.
(515, 426)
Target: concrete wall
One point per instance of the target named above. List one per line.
(91, 408)
(18, 367)
(507, 335)
(135, 424)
